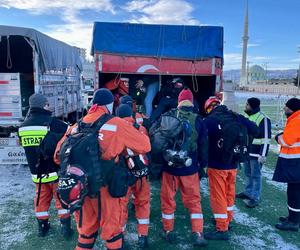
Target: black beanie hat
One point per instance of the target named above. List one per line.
(253, 102)
(126, 99)
(293, 104)
(124, 110)
(103, 97)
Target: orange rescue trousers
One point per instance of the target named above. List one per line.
(190, 195)
(222, 195)
(110, 223)
(47, 192)
(141, 201)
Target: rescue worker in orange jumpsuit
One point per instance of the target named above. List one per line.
(288, 165)
(43, 170)
(222, 176)
(141, 189)
(115, 136)
(185, 178)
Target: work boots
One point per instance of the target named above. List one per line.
(287, 226)
(217, 235)
(198, 240)
(283, 218)
(143, 242)
(169, 236)
(44, 227)
(65, 227)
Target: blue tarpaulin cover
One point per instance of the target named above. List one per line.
(166, 41)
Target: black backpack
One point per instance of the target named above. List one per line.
(232, 140)
(46, 151)
(83, 171)
(49, 142)
(175, 136)
(175, 128)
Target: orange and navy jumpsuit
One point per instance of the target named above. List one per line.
(222, 176)
(187, 180)
(114, 137)
(288, 164)
(141, 195)
(31, 133)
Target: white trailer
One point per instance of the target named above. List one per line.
(32, 62)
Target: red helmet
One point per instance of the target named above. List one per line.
(72, 188)
(211, 100)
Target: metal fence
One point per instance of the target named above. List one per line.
(271, 105)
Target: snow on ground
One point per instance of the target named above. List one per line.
(274, 148)
(257, 229)
(268, 174)
(15, 181)
(16, 188)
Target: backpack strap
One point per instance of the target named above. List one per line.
(96, 125)
(40, 176)
(134, 115)
(48, 122)
(99, 205)
(38, 149)
(79, 124)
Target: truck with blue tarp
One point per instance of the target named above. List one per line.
(160, 52)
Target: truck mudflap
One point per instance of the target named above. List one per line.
(11, 152)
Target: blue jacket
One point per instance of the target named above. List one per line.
(199, 157)
(214, 159)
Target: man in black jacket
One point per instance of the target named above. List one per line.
(168, 98)
(33, 132)
(258, 153)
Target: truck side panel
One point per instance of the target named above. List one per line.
(133, 64)
(10, 96)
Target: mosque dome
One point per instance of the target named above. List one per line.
(257, 73)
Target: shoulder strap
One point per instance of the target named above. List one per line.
(79, 124)
(48, 122)
(96, 125)
(134, 115)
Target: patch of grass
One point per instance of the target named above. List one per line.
(252, 229)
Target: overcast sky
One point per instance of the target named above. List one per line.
(274, 25)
